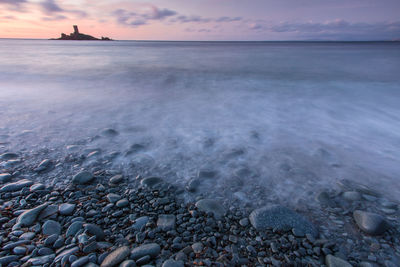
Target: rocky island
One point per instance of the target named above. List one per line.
(76, 35)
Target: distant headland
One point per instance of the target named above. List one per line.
(76, 35)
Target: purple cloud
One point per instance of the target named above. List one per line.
(50, 7)
(12, 2)
(228, 19)
(134, 19)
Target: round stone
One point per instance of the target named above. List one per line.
(370, 223)
(122, 203)
(281, 218)
(51, 227)
(116, 257)
(151, 250)
(211, 205)
(66, 209)
(351, 196)
(82, 177)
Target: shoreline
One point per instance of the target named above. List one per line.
(100, 217)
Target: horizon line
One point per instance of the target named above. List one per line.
(216, 41)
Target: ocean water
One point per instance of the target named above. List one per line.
(276, 121)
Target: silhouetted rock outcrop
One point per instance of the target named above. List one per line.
(76, 35)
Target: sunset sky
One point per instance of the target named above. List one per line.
(204, 19)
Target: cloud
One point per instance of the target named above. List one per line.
(14, 5)
(55, 18)
(340, 29)
(50, 7)
(255, 26)
(200, 19)
(13, 2)
(330, 30)
(228, 19)
(188, 19)
(142, 17)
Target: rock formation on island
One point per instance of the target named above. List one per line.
(76, 35)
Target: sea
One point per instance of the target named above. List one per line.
(275, 121)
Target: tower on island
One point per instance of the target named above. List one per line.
(76, 31)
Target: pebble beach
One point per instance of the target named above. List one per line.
(94, 216)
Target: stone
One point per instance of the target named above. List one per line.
(370, 223)
(113, 197)
(166, 222)
(94, 230)
(43, 165)
(128, 263)
(211, 205)
(80, 262)
(244, 222)
(332, 261)
(8, 156)
(5, 177)
(16, 186)
(324, 199)
(66, 209)
(150, 181)
(122, 203)
(27, 235)
(109, 132)
(51, 227)
(197, 247)
(140, 222)
(28, 217)
(172, 263)
(193, 185)
(74, 228)
(351, 196)
(40, 261)
(151, 250)
(66, 253)
(281, 218)
(116, 257)
(116, 179)
(37, 187)
(83, 177)
(49, 212)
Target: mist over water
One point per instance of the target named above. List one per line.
(276, 121)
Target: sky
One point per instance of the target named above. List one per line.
(201, 20)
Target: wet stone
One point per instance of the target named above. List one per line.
(151, 250)
(151, 181)
(351, 196)
(51, 227)
(281, 218)
(5, 177)
(211, 205)
(43, 165)
(74, 228)
(122, 203)
(197, 247)
(28, 217)
(370, 223)
(332, 261)
(113, 197)
(83, 177)
(127, 263)
(140, 222)
(116, 257)
(66, 209)
(166, 222)
(16, 186)
(116, 179)
(94, 230)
